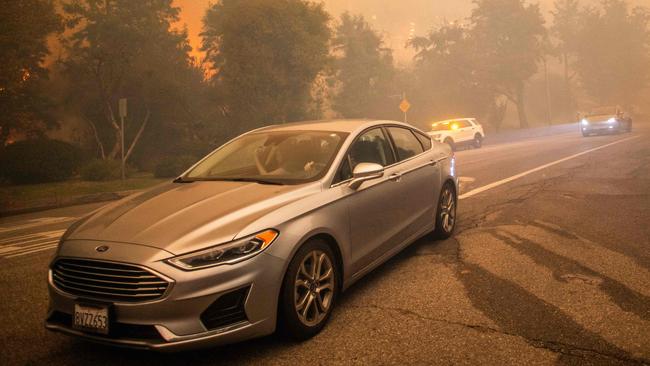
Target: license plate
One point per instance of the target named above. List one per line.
(91, 318)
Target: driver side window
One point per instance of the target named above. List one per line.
(370, 147)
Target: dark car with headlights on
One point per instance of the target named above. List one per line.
(605, 121)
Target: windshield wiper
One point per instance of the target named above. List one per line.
(252, 180)
(183, 181)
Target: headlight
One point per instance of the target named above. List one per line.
(612, 120)
(228, 253)
(585, 122)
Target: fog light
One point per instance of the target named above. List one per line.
(228, 309)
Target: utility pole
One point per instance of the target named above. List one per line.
(122, 108)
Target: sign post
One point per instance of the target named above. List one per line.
(404, 107)
(122, 108)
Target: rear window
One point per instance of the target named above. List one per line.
(406, 143)
(425, 140)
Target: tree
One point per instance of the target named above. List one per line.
(128, 49)
(446, 65)
(613, 61)
(363, 70)
(26, 24)
(566, 27)
(265, 55)
(509, 37)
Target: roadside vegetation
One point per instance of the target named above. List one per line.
(276, 61)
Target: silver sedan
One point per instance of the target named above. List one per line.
(262, 234)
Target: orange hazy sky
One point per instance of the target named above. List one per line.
(395, 19)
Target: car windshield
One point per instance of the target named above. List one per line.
(598, 117)
(287, 157)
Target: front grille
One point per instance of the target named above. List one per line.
(107, 281)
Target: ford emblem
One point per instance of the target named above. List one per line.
(102, 248)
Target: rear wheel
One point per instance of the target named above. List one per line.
(478, 141)
(446, 212)
(309, 290)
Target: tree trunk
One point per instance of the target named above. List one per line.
(567, 85)
(521, 107)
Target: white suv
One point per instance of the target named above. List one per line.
(458, 132)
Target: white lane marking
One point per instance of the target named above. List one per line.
(26, 247)
(466, 179)
(8, 249)
(53, 246)
(18, 251)
(30, 238)
(36, 223)
(541, 167)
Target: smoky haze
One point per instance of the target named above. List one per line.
(395, 19)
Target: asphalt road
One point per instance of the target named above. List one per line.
(550, 265)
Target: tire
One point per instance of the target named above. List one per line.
(445, 229)
(319, 295)
(451, 143)
(478, 141)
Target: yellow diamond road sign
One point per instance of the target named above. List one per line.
(405, 106)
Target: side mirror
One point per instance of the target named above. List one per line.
(364, 172)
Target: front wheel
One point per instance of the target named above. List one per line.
(446, 212)
(309, 290)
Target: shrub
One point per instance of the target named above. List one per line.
(39, 161)
(101, 170)
(173, 166)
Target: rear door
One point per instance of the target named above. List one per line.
(465, 130)
(419, 183)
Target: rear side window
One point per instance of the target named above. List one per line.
(370, 147)
(406, 144)
(425, 140)
(464, 124)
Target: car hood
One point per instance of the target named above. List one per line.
(180, 218)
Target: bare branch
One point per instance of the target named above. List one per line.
(138, 135)
(97, 140)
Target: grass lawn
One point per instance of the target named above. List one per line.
(31, 195)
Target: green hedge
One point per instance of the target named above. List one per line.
(39, 161)
(102, 170)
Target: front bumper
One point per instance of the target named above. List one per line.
(603, 127)
(173, 322)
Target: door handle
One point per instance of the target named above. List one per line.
(395, 177)
(433, 162)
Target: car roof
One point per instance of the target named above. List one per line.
(334, 125)
(455, 119)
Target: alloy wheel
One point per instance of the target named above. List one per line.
(447, 210)
(314, 288)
